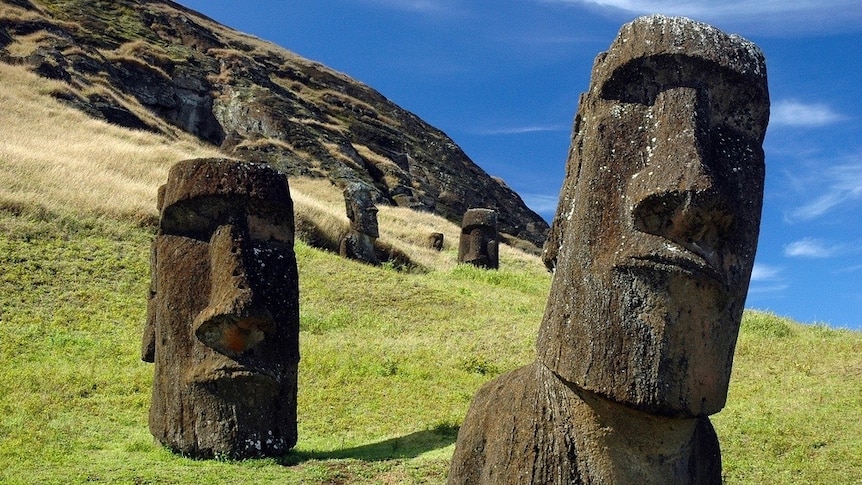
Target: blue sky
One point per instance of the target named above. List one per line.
(502, 79)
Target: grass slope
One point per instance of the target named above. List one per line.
(390, 360)
(389, 364)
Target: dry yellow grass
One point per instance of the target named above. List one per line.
(58, 159)
(405, 229)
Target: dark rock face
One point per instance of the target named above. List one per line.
(652, 244)
(358, 244)
(223, 313)
(480, 242)
(257, 101)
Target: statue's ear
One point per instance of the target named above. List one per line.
(148, 342)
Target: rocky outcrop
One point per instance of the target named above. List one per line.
(155, 65)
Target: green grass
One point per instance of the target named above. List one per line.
(390, 362)
(794, 412)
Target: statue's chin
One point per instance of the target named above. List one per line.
(683, 326)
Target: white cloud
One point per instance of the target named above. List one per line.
(541, 203)
(843, 184)
(520, 130)
(764, 272)
(850, 269)
(419, 6)
(760, 290)
(790, 112)
(780, 17)
(809, 248)
(766, 279)
(725, 8)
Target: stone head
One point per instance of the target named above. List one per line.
(223, 314)
(654, 237)
(361, 209)
(479, 241)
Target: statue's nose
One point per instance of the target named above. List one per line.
(676, 196)
(234, 321)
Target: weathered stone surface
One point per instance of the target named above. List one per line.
(479, 243)
(223, 312)
(652, 247)
(257, 101)
(529, 426)
(358, 244)
(435, 241)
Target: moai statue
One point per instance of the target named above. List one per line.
(359, 242)
(223, 312)
(653, 244)
(479, 244)
(435, 241)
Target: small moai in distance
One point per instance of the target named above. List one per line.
(479, 243)
(358, 244)
(652, 247)
(223, 312)
(435, 241)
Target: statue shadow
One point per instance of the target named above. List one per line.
(402, 447)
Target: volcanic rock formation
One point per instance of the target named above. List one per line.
(155, 65)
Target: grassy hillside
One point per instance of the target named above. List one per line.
(390, 360)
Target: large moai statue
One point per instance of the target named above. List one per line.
(223, 312)
(358, 244)
(653, 244)
(480, 241)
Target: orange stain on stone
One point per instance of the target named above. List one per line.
(234, 338)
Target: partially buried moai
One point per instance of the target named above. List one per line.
(652, 244)
(358, 244)
(479, 244)
(435, 241)
(223, 313)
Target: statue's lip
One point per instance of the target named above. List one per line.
(227, 372)
(681, 259)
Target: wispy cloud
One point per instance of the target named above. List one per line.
(766, 279)
(543, 204)
(765, 272)
(842, 184)
(809, 248)
(713, 8)
(520, 130)
(790, 112)
(762, 289)
(763, 15)
(419, 6)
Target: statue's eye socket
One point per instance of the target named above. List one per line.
(270, 228)
(200, 217)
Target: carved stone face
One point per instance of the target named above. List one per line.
(658, 221)
(479, 244)
(361, 210)
(224, 312)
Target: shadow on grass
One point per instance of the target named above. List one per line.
(408, 446)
